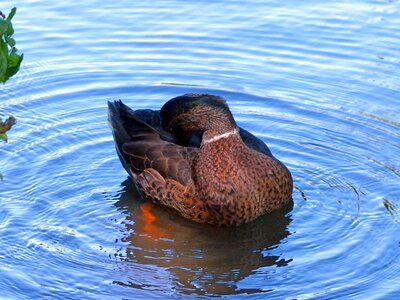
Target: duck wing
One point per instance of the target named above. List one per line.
(152, 118)
(141, 146)
(253, 142)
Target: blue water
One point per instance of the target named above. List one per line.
(319, 82)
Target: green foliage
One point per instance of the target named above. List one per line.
(10, 61)
(3, 136)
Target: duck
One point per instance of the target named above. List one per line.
(192, 158)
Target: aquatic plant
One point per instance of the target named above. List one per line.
(10, 61)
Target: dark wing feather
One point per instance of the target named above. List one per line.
(149, 116)
(150, 151)
(253, 142)
(141, 146)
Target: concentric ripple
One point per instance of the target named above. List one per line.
(318, 82)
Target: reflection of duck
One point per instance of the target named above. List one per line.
(229, 178)
(192, 260)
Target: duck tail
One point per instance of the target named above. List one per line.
(124, 124)
(119, 115)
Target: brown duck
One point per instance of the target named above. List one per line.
(192, 157)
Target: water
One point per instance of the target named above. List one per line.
(317, 81)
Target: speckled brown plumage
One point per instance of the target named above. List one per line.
(192, 158)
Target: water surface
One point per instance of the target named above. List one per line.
(317, 81)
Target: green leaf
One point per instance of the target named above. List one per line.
(3, 136)
(13, 67)
(13, 59)
(10, 61)
(3, 26)
(3, 49)
(10, 29)
(12, 13)
(3, 60)
(10, 41)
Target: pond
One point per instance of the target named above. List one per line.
(319, 82)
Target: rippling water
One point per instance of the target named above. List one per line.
(318, 81)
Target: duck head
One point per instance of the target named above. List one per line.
(197, 113)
